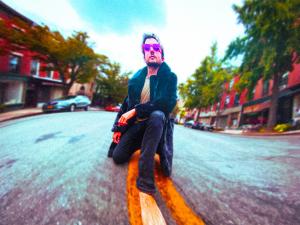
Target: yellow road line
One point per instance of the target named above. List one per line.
(133, 201)
(180, 211)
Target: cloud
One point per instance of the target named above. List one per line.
(188, 30)
(58, 14)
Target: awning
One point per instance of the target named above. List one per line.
(47, 82)
(12, 76)
(258, 107)
(231, 110)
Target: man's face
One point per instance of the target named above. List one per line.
(153, 56)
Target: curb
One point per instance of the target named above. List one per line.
(8, 118)
(20, 116)
(262, 134)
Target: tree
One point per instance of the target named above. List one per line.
(72, 57)
(270, 47)
(205, 86)
(111, 84)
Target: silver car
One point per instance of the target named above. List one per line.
(68, 103)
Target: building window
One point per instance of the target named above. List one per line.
(231, 83)
(253, 93)
(49, 74)
(35, 65)
(283, 81)
(49, 71)
(14, 63)
(236, 99)
(266, 87)
(227, 100)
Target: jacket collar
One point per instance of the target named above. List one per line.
(142, 73)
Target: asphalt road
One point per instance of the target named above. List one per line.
(54, 170)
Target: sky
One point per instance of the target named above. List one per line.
(187, 28)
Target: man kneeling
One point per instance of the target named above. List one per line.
(144, 120)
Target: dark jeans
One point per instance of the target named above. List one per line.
(145, 135)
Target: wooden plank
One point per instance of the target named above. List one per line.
(151, 215)
(179, 209)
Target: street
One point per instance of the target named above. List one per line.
(54, 170)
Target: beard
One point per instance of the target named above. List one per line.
(153, 64)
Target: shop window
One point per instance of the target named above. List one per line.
(35, 65)
(266, 87)
(12, 93)
(283, 81)
(14, 63)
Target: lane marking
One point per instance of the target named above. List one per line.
(180, 211)
(133, 201)
(142, 208)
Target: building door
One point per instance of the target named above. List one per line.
(285, 110)
(2, 92)
(30, 100)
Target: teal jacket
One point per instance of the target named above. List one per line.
(163, 91)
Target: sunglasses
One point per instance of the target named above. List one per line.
(147, 47)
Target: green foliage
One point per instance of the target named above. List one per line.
(270, 46)
(205, 86)
(111, 85)
(72, 57)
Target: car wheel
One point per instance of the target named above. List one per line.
(72, 108)
(86, 108)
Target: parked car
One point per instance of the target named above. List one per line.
(202, 126)
(68, 103)
(188, 123)
(197, 126)
(207, 127)
(112, 108)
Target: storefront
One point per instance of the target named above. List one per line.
(41, 90)
(296, 109)
(206, 117)
(12, 91)
(289, 105)
(229, 118)
(255, 112)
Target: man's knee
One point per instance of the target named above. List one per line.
(118, 159)
(157, 116)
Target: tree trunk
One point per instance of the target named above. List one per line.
(274, 103)
(198, 114)
(67, 88)
(218, 115)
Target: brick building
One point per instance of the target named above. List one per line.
(234, 110)
(22, 81)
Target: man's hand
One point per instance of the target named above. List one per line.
(116, 137)
(126, 116)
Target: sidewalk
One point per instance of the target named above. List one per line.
(253, 133)
(20, 113)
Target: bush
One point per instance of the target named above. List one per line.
(282, 127)
(2, 107)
